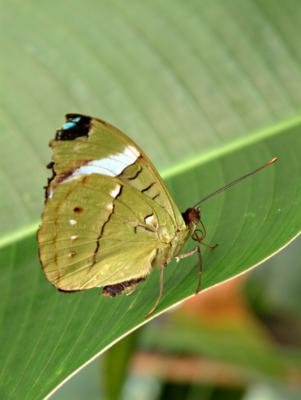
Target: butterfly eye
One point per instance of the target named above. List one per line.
(192, 215)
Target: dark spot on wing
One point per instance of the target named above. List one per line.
(63, 177)
(49, 180)
(147, 216)
(104, 225)
(78, 209)
(50, 165)
(148, 187)
(144, 227)
(75, 126)
(136, 174)
(156, 195)
(85, 179)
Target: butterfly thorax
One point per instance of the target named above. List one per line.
(168, 250)
(171, 248)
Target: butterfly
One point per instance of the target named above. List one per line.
(108, 217)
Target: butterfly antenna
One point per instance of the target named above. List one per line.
(267, 164)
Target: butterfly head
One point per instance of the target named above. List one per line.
(192, 215)
(192, 218)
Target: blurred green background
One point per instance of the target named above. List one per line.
(163, 71)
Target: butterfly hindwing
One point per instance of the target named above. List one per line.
(94, 233)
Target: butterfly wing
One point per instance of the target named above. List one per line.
(97, 231)
(90, 145)
(106, 208)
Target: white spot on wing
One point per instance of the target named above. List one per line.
(134, 151)
(109, 206)
(73, 237)
(72, 222)
(150, 220)
(115, 191)
(110, 166)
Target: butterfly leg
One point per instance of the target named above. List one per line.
(160, 291)
(210, 246)
(197, 251)
(200, 238)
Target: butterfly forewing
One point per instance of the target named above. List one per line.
(106, 150)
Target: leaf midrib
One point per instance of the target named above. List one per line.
(191, 163)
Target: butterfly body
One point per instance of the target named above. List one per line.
(108, 218)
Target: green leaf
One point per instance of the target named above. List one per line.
(180, 77)
(55, 333)
(190, 82)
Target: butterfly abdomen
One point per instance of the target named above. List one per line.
(126, 287)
